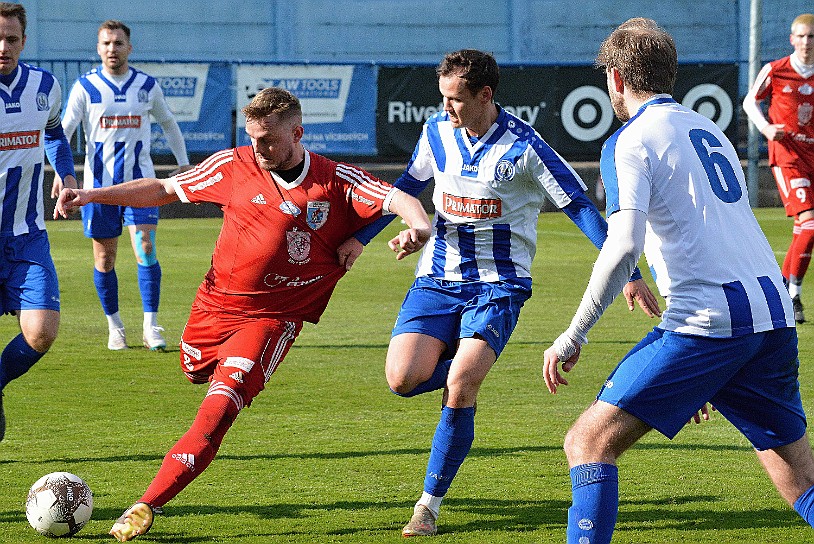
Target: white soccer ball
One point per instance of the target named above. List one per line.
(59, 504)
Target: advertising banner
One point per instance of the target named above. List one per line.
(338, 103)
(200, 98)
(568, 106)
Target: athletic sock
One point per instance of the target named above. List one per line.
(804, 505)
(800, 250)
(450, 445)
(107, 287)
(194, 451)
(594, 503)
(149, 284)
(438, 380)
(17, 358)
(432, 503)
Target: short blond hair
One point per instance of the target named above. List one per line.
(273, 100)
(803, 19)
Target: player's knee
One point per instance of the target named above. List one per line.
(145, 248)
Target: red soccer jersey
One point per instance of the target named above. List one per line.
(791, 102)
(276, 252)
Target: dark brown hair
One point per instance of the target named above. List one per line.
(7, 9)
(113, 24)
(477, 68)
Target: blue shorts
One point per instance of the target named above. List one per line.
(450, 310)
(106, 220)
(751, 380)
(28, 278)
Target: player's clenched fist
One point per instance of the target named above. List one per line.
(409, 241)
(69, 199)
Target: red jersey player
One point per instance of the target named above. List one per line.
(286, 212)
(788, 85)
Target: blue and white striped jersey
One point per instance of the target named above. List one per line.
(708, 255)
(32, 103)
(115, 117)
(488, 194)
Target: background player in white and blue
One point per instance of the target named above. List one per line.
(675, 190)
(492, 175)
(29, 128)
(114, 103)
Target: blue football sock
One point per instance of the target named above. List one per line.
(438, 380)
(452, 441)
(594, 503)
(803, 505)
(16, 359)
(149, 284)
(107, 287)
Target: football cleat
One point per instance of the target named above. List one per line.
(153, 339)
(116, 339)
(421, 524)
(135, 521)
(2, 418)
(799, 317)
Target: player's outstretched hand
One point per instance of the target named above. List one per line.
(69, 199)
(409, 241)
(703, 413)
(637, 290)
(551, 373)
(349, 251)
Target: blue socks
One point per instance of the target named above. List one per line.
(107, 287)
(149, 284)
(16, 359)
(450, 445)
(803, 505)
(594, 503)
(438, 380)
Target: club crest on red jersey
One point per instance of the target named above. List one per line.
(804, 113)
(299, 246)
(317, 213)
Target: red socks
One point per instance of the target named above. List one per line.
(194, 451)
(798, 256)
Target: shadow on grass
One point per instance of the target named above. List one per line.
(490, 515)
(475, 452)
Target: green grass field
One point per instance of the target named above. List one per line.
(327, 454)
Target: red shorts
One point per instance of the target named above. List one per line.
(795, 189)
(236, 354)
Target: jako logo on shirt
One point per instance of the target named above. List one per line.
(476, 208)
(19, 140)
(120, 121)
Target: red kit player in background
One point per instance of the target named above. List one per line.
(286, 212)
(788, 85)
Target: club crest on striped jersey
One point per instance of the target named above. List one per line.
(42, 101)
(317, 213)
(299, 246)
(504, 171)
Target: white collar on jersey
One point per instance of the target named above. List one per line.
(298, 181)
(805, 70)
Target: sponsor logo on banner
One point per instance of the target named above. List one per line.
(317, 213)
(19, 140)
(183, 86)
(120, 121)
(175, 86)
(322, 89)
(299, 246)
(475, 208)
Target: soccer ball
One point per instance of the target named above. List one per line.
(59, 504)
